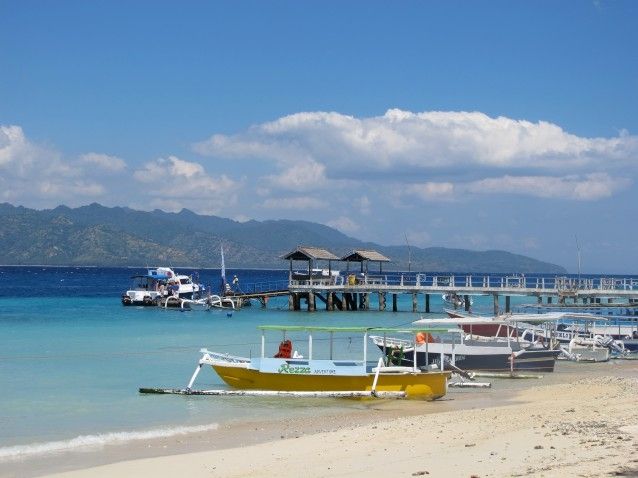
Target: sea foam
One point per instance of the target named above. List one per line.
(91, 441)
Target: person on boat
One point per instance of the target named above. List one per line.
(236, 282)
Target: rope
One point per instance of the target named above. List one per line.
(163, 350)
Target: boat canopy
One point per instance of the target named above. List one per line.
(158, 276)
(362, 330)
(552, 317)
(461, 321)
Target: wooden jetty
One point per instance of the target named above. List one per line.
(355, 291)
(359, 288)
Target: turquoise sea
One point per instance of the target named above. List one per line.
(72, 357)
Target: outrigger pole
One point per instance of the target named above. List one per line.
(275, 393)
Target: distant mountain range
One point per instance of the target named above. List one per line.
(103, 236)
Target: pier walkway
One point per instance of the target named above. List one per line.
(353, 292)
(358, 291)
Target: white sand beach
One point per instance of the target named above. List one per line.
(583, 423)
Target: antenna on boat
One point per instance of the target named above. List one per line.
(578, 254)
(409, 251)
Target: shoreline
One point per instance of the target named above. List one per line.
(602, 396)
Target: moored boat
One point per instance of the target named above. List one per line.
(157, 284)
(288, 371)
(471, 352)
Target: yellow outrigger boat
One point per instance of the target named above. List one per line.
(290, 373)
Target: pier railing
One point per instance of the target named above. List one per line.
(461, 282)
(266, 286)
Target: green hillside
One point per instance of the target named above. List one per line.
(102, 236)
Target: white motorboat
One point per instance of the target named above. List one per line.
(148, 289)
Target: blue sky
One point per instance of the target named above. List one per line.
(478, 125)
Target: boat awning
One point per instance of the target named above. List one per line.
(553, 317)
(307, 253)
(462, 321)
(362, 330)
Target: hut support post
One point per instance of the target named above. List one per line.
(495, 296)
(414, 302)
(427, 303)
(507, 304)
(394, 302)
(311, 301)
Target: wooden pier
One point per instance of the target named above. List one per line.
(375, 291)
(365, 290)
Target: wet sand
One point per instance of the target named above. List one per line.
(580, 421)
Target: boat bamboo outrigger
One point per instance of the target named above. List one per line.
(289, 372)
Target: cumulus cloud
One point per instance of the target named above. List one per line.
(302, 176)
(587, 187)
(177, 183)
(583, 188)
(103, 161)
(419, 141)
(296, 203)
(37, 175)
(431, 190)
(17, 153)
(344, 224)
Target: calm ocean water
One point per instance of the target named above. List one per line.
(72, 357)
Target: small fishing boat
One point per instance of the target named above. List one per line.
(214, 301)
(287, 371)
(571, 331)
(504, 351)
(586, 349)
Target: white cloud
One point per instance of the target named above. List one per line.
(304, 176)
(431, 190)
(344, 224)
(297, 203)
(364, 205)
(35, 175)
(104, 161)
(587, 187)
(582, 188)
(177, 183)
(17, 154)
(419, 141)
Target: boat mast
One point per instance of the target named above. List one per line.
(223, 272)
(578, 253)
(409, 252)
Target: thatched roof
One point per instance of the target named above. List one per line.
(305, 253)
(360, 255)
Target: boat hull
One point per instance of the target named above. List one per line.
(538, 360)
(429, 386)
